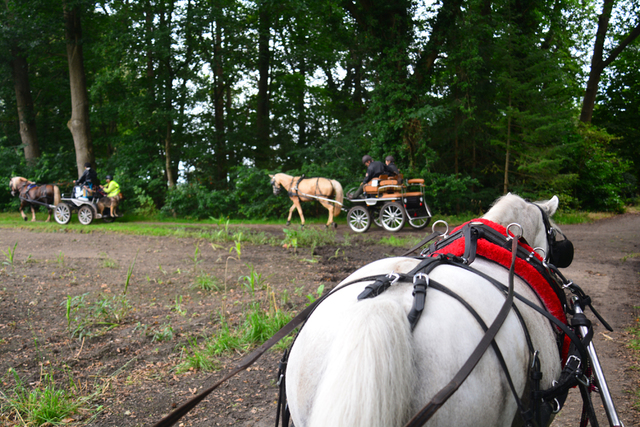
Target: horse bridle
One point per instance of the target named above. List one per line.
(19, 190)
(560, 253)
(275, 186)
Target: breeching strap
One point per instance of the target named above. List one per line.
(443, 395)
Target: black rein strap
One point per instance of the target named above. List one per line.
(443, 395)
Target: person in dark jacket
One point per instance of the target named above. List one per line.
(391, 166)
(89, 180)
(374, 170)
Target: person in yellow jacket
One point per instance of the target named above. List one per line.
(112, 190)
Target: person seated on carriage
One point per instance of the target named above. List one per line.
(112, 188)
(89, 180)
(374, 170)
(391, 166)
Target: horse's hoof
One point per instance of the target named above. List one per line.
(335, 225)
(25, 218)
(288, 222)
(327, 226)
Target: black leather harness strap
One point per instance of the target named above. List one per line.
(443, 395)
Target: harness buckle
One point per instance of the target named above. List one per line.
(394, 276)
(533, 252)
(421, 276)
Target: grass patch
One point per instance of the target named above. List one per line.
(206, 282)
(43, 402)
(259, 325)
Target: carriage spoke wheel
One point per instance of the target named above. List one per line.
(359, 219)
(392, 216)
(62, 213)
(419, 223)
(85, 215)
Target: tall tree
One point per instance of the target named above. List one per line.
(79, 123)
(598, 60)
(24, 101)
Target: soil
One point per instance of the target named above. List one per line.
(132, 369)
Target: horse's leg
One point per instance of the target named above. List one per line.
(297, 204)
(22, 214)
(50, 211)
(329, 207)
(33, 214)
(293, 206)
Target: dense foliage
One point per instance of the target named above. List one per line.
(194, 102)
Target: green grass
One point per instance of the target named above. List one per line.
(206, 282)
(259, 325)
(44, 402)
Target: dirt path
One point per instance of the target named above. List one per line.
(135, 371)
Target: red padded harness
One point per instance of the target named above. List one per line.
(523, 269)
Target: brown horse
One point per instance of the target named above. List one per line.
(327, 191)
(32, 194)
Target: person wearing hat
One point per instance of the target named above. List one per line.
(112, 188)
(374, 170)
(112, 191)
(391, 166)
(88, 180)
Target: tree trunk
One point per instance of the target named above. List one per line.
(505, 187)
(167, 155)
(24, 102)
(598, 63)
(79, 122)
(219, 109)
(263, 147)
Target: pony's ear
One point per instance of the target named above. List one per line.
(270, 176)
(551, 205)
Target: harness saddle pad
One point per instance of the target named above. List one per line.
(523, 269)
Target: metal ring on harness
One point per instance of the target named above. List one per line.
(445, 234)
(509, 237)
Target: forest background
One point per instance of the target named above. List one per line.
(190, 104)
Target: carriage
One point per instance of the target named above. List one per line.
(86, 207)
(390, 203)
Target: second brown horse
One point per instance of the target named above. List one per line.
(32, 194)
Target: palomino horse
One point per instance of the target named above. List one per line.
(362, 363)
(32, 194)
(327, 191)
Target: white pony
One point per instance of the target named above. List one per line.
(357, 363)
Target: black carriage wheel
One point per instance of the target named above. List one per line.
(62, 213)
(419, 223)
(392, 216)
(85, 214)
(359, 219)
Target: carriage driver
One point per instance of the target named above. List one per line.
(88, 180)
(374, 170)
(112, 188)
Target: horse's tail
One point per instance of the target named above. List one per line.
(339, 197)
(369, 378)
(56, 195)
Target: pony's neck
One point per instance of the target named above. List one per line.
(516, 210)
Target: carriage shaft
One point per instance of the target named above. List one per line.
(601, 381)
